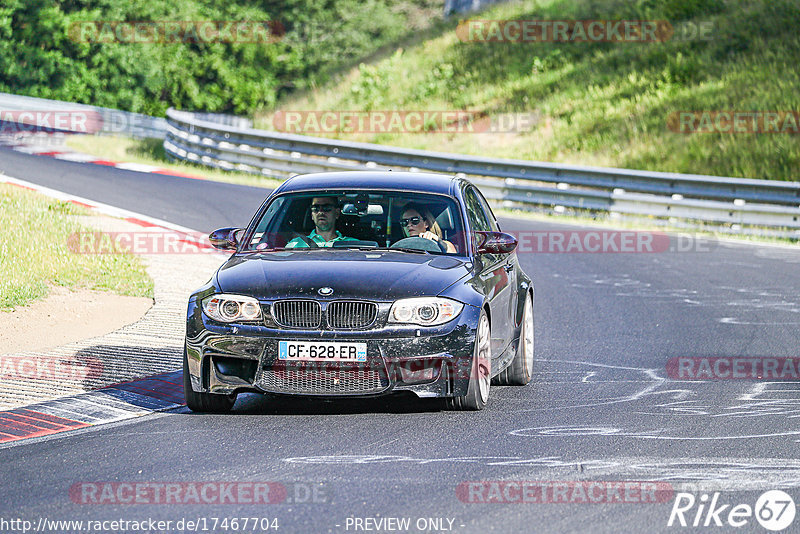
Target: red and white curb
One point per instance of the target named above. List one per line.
(66, 154)
(100, 208)
(118, 402)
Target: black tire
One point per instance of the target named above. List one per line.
(480, 373)
(520, 371)
(204, 402)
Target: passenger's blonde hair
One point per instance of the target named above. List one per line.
(427, 216)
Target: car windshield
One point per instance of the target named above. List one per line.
(412, 222)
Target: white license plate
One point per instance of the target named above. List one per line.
(322, 351)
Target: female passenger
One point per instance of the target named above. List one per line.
(418, 221)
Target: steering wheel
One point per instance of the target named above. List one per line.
(420, 243)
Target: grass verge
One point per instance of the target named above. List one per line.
(36, 253)
(593, 103)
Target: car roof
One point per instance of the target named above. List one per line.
(406, 181)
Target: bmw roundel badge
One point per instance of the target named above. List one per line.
(325, 291)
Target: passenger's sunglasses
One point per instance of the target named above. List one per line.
(413, 220)
(316, 208)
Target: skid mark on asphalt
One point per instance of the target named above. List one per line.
(717, 409)
(598, 374)
(689, 474)
(720, 413)
(739, 300)
(559, 431)
(109, 404)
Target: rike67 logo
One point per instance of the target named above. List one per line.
(774, 510)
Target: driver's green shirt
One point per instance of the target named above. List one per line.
(318, 239)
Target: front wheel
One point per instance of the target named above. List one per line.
(204, 402)
(481, 371)
(520, 371)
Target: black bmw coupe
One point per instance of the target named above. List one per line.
(363, 284)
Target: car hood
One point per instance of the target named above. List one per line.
(370, 275)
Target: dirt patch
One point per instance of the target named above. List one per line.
(65, 316)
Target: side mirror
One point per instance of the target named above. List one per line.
(495, 242)
(225, 238)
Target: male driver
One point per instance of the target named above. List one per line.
(324, 212)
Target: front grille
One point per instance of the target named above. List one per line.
(297, 313)
(321, 379)
(351, 314)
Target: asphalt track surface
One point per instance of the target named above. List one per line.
(600, 408)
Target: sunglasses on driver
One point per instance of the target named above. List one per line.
(316, 208)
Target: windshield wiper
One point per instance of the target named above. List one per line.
(355, 243)
(353, 247)
(414, 250)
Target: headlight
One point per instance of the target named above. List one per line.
(232, 308)
(425, 311)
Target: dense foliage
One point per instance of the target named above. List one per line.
(44, 53)
(600, 103)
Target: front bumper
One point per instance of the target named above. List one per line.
(428, 361)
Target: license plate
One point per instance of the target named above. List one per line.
(322, 351)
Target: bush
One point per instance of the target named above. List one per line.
(43, 52)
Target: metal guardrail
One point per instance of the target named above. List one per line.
(511, 183)
(230, 143)
(104, 120)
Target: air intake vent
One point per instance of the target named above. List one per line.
(322, 380)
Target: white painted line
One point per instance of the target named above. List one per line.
(105, 209)
(138, 167)
(35, 149)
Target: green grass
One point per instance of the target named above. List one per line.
(151, 152)
(603, 104)
(35, 254)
